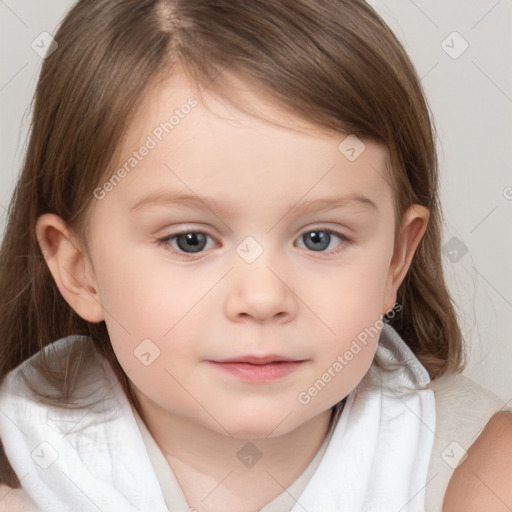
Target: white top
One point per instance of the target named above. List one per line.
(98, 456)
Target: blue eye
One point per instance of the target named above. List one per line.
(189, 242)
(194, 242)
(319, 239)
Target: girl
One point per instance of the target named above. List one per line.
(221, 276)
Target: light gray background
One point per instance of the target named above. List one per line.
(470, 97)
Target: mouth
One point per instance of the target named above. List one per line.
(251, 368)
(252, 359)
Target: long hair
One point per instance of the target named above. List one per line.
(332, 62)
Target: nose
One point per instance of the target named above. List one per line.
(258, 291)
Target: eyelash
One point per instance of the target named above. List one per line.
(166, 239)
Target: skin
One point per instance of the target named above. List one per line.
(291, 300)
(482, 481)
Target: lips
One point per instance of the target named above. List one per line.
(252, 359)
(258, 369)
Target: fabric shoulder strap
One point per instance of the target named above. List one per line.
(463, 409)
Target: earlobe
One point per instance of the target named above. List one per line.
(70, 267)
(414, 227)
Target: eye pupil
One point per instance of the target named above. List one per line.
(195, 241)
(320, 240)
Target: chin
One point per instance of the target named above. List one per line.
(257, 425)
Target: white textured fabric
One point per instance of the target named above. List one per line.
(90, 458)
(379, 454)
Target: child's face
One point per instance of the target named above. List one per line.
(256, 286)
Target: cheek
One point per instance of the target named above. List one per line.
(147, 298)
(350, 297)
(147, 295)
(349, 304)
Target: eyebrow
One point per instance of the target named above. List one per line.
(210, 203)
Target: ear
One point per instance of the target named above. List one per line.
(414, 227)
(70, 267)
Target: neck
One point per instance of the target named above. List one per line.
(214, 469)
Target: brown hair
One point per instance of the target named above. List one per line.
(332, 62)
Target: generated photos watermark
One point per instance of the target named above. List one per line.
(369, 333)
(152, 140)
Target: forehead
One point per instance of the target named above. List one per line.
(184, 140)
